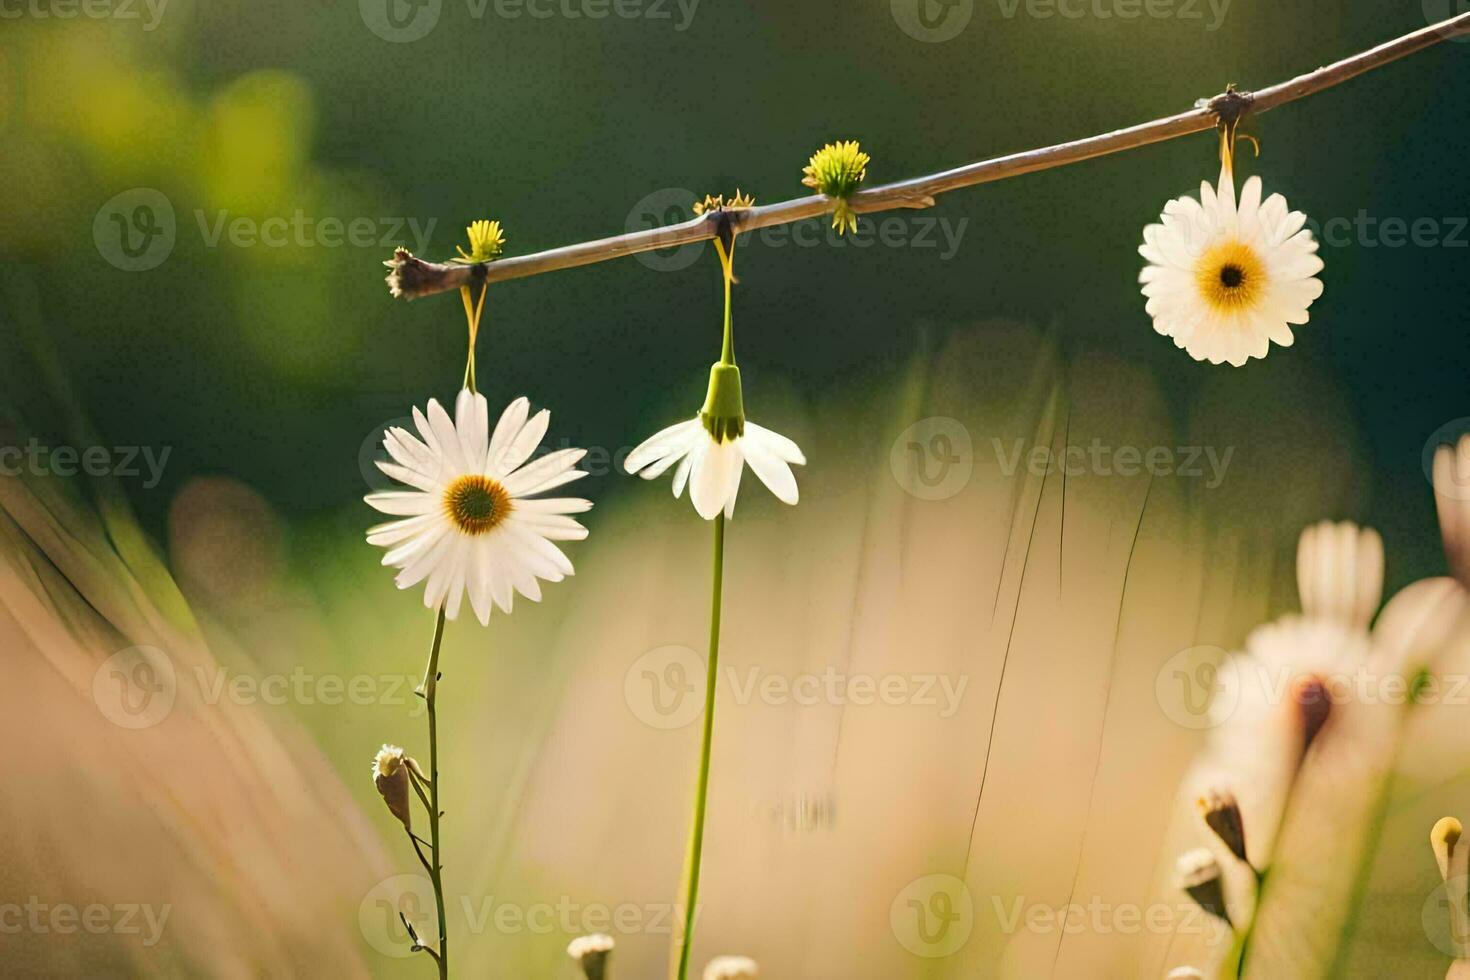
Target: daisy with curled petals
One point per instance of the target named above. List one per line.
(471, 523)
(712, 449)
(1226, 277)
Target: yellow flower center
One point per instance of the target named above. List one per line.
(476, 504)
(1231, 277)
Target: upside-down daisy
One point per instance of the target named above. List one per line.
(470, 523)
(713, 447)
(1226, 278)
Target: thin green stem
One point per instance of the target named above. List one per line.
(430, 690)
(727, 349)
(690, 890)
(727, 267)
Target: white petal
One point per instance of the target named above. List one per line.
(447, 437)
(773, 471)
(668, 443)
(709, 484)
(511, 421)
(553, 505)
(520, 448)
(411, 477)
(393, 532)
(549, 471)
(776, 442)
(472, 422)
(403, 503)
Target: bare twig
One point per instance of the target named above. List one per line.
(412, 277)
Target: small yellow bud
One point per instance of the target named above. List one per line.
(836, 170)
(717, 202)
(486, 243)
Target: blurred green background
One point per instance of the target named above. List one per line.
(273, 364)
(276, 367)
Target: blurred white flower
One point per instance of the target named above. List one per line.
(1225, 278)
(1293, 672)
(732, 968)
(1452, 498)
(470, 523)
(1198, 874)
(591, 954)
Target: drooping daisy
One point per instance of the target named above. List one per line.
(1226, 278)
(712, 448)
(471, 524)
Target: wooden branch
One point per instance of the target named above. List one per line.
(411, 277)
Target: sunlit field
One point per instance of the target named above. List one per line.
(842, 572)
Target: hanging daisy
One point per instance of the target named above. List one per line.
(471, 524)
(712, 449)
(1227, 277)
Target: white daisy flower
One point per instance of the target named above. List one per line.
(712, 448)
(1225, 279)
(470, 523)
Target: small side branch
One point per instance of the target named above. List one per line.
(413, 277)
